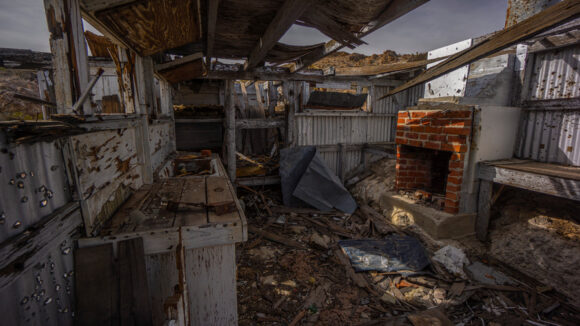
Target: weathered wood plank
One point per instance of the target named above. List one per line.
(285, 17)
(230, 128)
(69, 53)
(166, 200)
(556, 186)
(483, 209)
(135, 304)
(163, 276)
(534, 25)
(193, 201)
(219, 194)
(212, 12)
(211, 284)
(96, 284)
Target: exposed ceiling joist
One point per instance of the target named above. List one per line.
(179, 62)
(285, 17)
(521, 31)
(394, 10)
(212, 12)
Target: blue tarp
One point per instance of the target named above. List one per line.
(392, 254)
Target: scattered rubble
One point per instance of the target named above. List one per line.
(295, 273)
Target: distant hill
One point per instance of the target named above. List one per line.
(343, 59)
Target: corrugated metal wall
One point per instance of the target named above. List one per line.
(552, 135)
(555, 74)
(34, 184)
(36, 285)
(334, 127)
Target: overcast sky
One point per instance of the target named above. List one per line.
(434, 24)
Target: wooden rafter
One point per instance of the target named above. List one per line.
(526, 29)
(394, 10)
(285, 17)
(212, 12)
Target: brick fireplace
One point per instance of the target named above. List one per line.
(432, 146)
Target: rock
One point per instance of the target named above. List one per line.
(269, 280)
(264, 253)
(289, 283)
(387, 298)
(439, 295)
(321, 241)
(453, 259)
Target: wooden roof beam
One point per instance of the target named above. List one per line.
(285, 17)
(394, 10)
(212, 12)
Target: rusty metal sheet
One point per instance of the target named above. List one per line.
(555, 75)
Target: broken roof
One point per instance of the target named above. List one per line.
(240, 29)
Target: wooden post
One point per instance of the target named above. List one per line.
(69, 53)
(230, 128)
(483, 208)
(145, 92)
(290, 92)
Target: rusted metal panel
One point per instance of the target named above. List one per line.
(108, 165)
(34, 184)
(555, 74)
(551, 136)
(161, 142)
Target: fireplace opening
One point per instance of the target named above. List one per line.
(423, 173)
(439, 171)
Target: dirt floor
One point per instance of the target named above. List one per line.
(291, 270)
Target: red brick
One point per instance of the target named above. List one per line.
(401, 140)
(458, 114)
(433, 130)
(454, 180)
(412, 135)
(457, 157)
(401, 161)
(402, 127)
(432, 145)
(417, 128)
(423, 136)
(418, 114)
(417, 122)
(437, 137)
(457, 139)
(440, 122)
(459, 123)
(403, 114)
(402, 173)
(451, 187)
(401, 121)
(455, 165)
(400, 133)
(454, 148)
(415, 143)
(457, 130)
(458, 173)
(416, 174)
(451, 203)
(451, 195)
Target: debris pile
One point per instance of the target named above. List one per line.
(295, 270)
